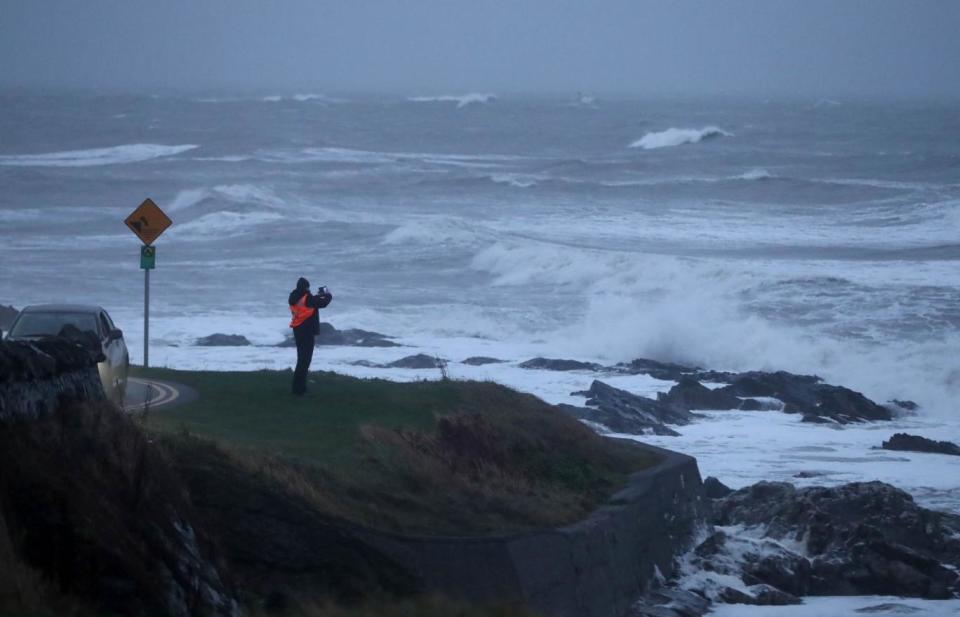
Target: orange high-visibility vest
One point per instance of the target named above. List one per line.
(301, 312)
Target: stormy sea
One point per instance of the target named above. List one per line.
(812, 236)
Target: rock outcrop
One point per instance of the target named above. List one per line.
(691, 394)
(915, 443)
(35, 378)
(623, 412)
(805, 394)
(416, 361)
(666, 371)
(715, 489)
(329, 335)
(550, 364)
(481, 360)
(864, 538)
(223, 340)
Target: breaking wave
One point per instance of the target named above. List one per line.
(299, 98)
(116, 155)
(462, 100)
(755, 174)
(655, 306)
(677, 137)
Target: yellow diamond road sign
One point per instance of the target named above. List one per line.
(148, 221)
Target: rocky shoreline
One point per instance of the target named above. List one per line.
(773, 544)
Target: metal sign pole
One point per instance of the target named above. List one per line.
(147, 221)
(146, 318)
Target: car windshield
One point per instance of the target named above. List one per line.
(52, 324)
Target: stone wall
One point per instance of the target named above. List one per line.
(594, 568)
(36, 377)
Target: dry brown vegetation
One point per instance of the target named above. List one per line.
(501, 461)
(84, 491)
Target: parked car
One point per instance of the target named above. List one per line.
(85, 323)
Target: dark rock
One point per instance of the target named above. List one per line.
(771, 596)
(713, 545)
(915, 443)
(809, 474)
(481, 360)
(685, 603)
(642, 609)
(666, 371)
(38, 377)
(616, 423)
(730, 595)
(905, 405)
(889, 608)
(691, 394)
(223, 340)
(549, 364)
(623, 412)
(863, 538)
(751, 404)
(418, 361)
(7, 315)
(765, 596)
(329, 335)
(807, 394)
(715, 489)
(779, 569)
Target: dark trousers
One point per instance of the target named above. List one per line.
(305, 339)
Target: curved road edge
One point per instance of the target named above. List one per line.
(150, 394)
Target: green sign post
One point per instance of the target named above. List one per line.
(148, 257)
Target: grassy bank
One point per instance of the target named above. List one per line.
(249, 493)
(442, 457)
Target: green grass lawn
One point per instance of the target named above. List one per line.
(439, 457)
(256, 410)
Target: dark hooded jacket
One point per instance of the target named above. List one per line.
(318, 301)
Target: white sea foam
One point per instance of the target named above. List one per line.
(522, 181)
(224, 223)
(129, 153)
(844, 606)
(677, 137)
(462, 100)
(249, 194)
(756, 174)
(273, 98)
(300, 98)
(434, 231)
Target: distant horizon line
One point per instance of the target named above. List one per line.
(305, 92)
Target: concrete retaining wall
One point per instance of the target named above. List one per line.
(595, 568)
(36, 377)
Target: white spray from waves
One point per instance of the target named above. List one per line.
(248, 194)
(755, 174)
(678, 137)
(462, 100)
(129, 153)
(692, 311)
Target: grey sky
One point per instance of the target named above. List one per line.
(763, 47)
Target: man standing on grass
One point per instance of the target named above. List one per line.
(306, 326)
